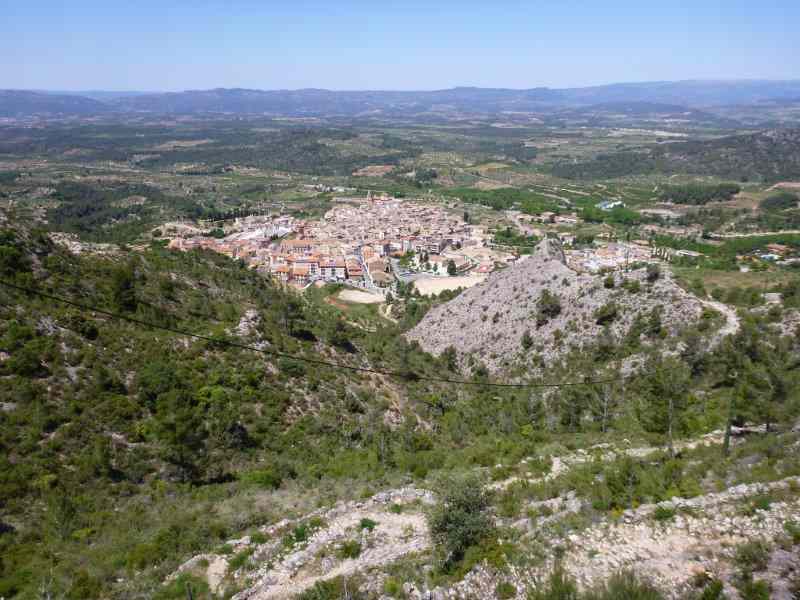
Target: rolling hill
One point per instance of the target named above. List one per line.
(768, 156)
(472, 100)
(18, 103)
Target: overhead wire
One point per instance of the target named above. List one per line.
(405, 375)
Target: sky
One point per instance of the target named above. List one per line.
(174, 45)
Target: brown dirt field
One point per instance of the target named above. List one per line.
(436, 285)
(487, 184)
(373, 171)
(359, 297)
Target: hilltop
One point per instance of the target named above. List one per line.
(539, 310)
(17, 103)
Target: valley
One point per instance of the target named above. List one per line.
(533, 344)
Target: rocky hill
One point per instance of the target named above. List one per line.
(535, 312)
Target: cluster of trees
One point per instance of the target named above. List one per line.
(760, 156)
(508, 237)
(7, 177)
(261, 143)
(424, 176)
(619, 215)
(698, 194)
(102, 214)
(608, 166)
(723, 256)
(548, 307)
(505, 199)
(780, 201)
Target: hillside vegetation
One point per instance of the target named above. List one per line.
(767, 156)
(128, 449)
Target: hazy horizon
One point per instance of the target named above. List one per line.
(354, 46)
(432, 89)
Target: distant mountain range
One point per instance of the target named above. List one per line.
(19, 103)
(466, 100)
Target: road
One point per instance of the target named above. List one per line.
(754, 234)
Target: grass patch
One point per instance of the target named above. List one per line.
(349, 549)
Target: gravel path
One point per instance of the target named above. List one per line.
(732, 321)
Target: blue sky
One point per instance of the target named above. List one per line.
(181, 44)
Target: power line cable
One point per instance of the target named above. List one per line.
(225, 342)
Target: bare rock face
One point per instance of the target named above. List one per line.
(490, 320)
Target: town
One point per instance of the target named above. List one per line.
(371, 242)
(362, 241)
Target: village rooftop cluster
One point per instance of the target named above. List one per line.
(353, 243)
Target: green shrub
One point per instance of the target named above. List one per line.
(258, 538)
(780, 201)
(559, 586)
(527, 341)
(606, 314)
(710, 588)
(332, 589)
(792, 528)
(368, 524)
(239, 559)
(178, 587)
(663, 513)
(291, 367)
(750, 589)
(549, 307)
(303, 531)
(141, 556)
(392, 587)
(624, 585)
(633, 286)
(349, 549)
(460, 520)
(752, 556)
(505, 590)
(225, 549)
(25, 362)
(267, 478)
(653, 272)
(84, 586)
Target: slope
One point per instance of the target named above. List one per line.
(539, 310)
(18, 103)
(769, 156)
(102, 419)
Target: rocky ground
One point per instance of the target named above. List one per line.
(386, 527)
(672, 543)
(491, 318)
